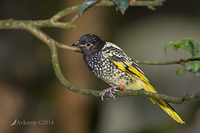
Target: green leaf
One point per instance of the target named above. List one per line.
(186, 44)
(122, 5)
(191, 46)
(193, 67)
(86, 5)
(176, 46)
(180, 71)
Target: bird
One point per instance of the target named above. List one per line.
(110, 63)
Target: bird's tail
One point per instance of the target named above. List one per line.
(169, 110)
(165, 106)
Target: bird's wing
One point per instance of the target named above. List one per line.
(126, 64)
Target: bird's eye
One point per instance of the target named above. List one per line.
(88, 44)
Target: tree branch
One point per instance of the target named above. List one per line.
(181, 62)
(33, 28)
(54, 20)
(170, 99)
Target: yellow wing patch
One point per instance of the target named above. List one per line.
(127, 67)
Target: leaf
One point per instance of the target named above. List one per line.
(193, 67)
(186, 44)
(86, 5)
(176, 46)
(180, 71)
(122, 5)
(191, 46)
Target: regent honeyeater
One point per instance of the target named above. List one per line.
(109, 62)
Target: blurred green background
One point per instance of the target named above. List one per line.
(29, 90)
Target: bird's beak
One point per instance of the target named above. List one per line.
(75, 44)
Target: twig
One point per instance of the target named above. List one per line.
(181, 62)
(64, 12)
(152, 3)
(170, 99)
(54, 20)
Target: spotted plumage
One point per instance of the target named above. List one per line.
(109, 62)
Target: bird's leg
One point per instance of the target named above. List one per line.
(111, 92)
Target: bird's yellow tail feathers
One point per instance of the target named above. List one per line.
(164, 105)
(144, 84)
(169, 110)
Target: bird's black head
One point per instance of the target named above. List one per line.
(89, 44)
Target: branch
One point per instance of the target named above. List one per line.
(149, 4)
(181, 62)
(170, 99)
(54, 20)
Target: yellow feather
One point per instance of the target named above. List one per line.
(167, 108)
(120, 65)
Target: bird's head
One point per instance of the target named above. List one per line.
(89, 44)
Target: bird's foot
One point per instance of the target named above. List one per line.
(111, 91)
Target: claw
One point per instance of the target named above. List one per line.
(111, 92)
(102, 93)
